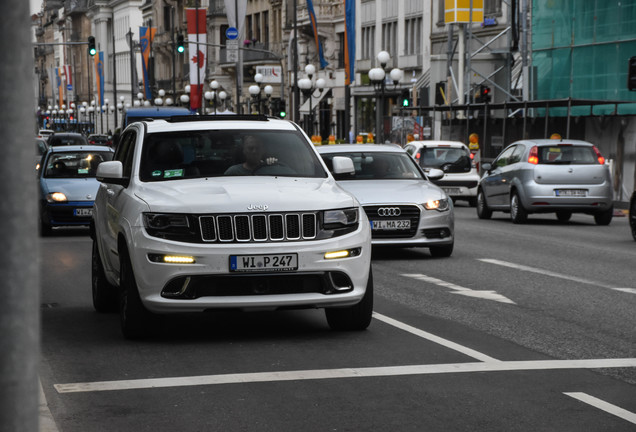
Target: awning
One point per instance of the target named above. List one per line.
(304, 108)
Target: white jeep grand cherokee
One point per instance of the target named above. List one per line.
(210, 212)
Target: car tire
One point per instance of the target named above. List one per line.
(518, 214)
(135, 319)
(604, 218)
(632, 215)
(441, 251)
(356, 317)
(563, 216)
(104, 294)
(483, 212)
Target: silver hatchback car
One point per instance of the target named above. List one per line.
(547, 176)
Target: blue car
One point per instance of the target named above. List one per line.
(68, 185)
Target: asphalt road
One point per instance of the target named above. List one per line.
(524, 328)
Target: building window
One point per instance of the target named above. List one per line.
(368, 42)
(341, 50)
(389, 37)
(413, 36)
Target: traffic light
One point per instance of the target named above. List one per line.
(279, 108)
(91, 46)
(180, 44)
(440, 93)
(405, 98)
(484, 94)
(631, 74)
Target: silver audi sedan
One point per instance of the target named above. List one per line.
(547, 176)
(404, 208)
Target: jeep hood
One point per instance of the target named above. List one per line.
(243, 194)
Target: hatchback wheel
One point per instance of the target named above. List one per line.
(518, 214)
(605, 217)
(632, 215)
(563, 216)
(483, 212)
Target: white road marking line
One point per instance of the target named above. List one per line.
(556, 275)
(605, 406)
(343, 373)
(431, 337)
(486, 295)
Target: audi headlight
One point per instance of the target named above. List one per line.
(334, 219)
(56, 197)
(439, 205)
(171, 226)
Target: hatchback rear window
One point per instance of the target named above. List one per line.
(450, 159)
(567, 155)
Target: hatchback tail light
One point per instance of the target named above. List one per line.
(601, 159)
(533, 157)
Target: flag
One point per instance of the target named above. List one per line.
(99, 77)
(350, 41)
(197, 32)
(60, 86)
(68, 74)
(314, 26)
(146, 35)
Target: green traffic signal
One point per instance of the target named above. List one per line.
(91, 46)
(180, 44)
(282, 114)
(406, 103)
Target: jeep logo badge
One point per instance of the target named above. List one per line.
(261, 207)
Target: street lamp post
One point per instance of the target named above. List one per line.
(308, 87)
(268, 94)
(255, 93)
(223, 96)
(214, 85)
(377, 76)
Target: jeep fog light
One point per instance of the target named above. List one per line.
(345, 253)
(171, 259)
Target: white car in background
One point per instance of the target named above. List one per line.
(453, 157)
(404, 208)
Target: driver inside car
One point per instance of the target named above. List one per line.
(253, 153)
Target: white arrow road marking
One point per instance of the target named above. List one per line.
(486, 295)
(605, 406)
(302, 375)
(556, 275)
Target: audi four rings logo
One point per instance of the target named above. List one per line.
(389, 211)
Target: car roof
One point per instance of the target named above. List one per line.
(168, 111)
(75, 148)
(335, 148)
(548, 141)
(229, 122)
(436, 143)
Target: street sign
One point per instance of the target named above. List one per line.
(271, 74)
(232, 51)
(69, 86)
(231, 33)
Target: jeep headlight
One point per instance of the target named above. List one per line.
(171, 226)
(439, 205)
(342, 218)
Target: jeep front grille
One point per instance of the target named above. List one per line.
(259, 227)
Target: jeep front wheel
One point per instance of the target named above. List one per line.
(356, 317)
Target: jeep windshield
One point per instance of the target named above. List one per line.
(217, 153)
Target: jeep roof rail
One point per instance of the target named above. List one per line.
(218, 117)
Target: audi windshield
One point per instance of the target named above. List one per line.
(378, 166)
